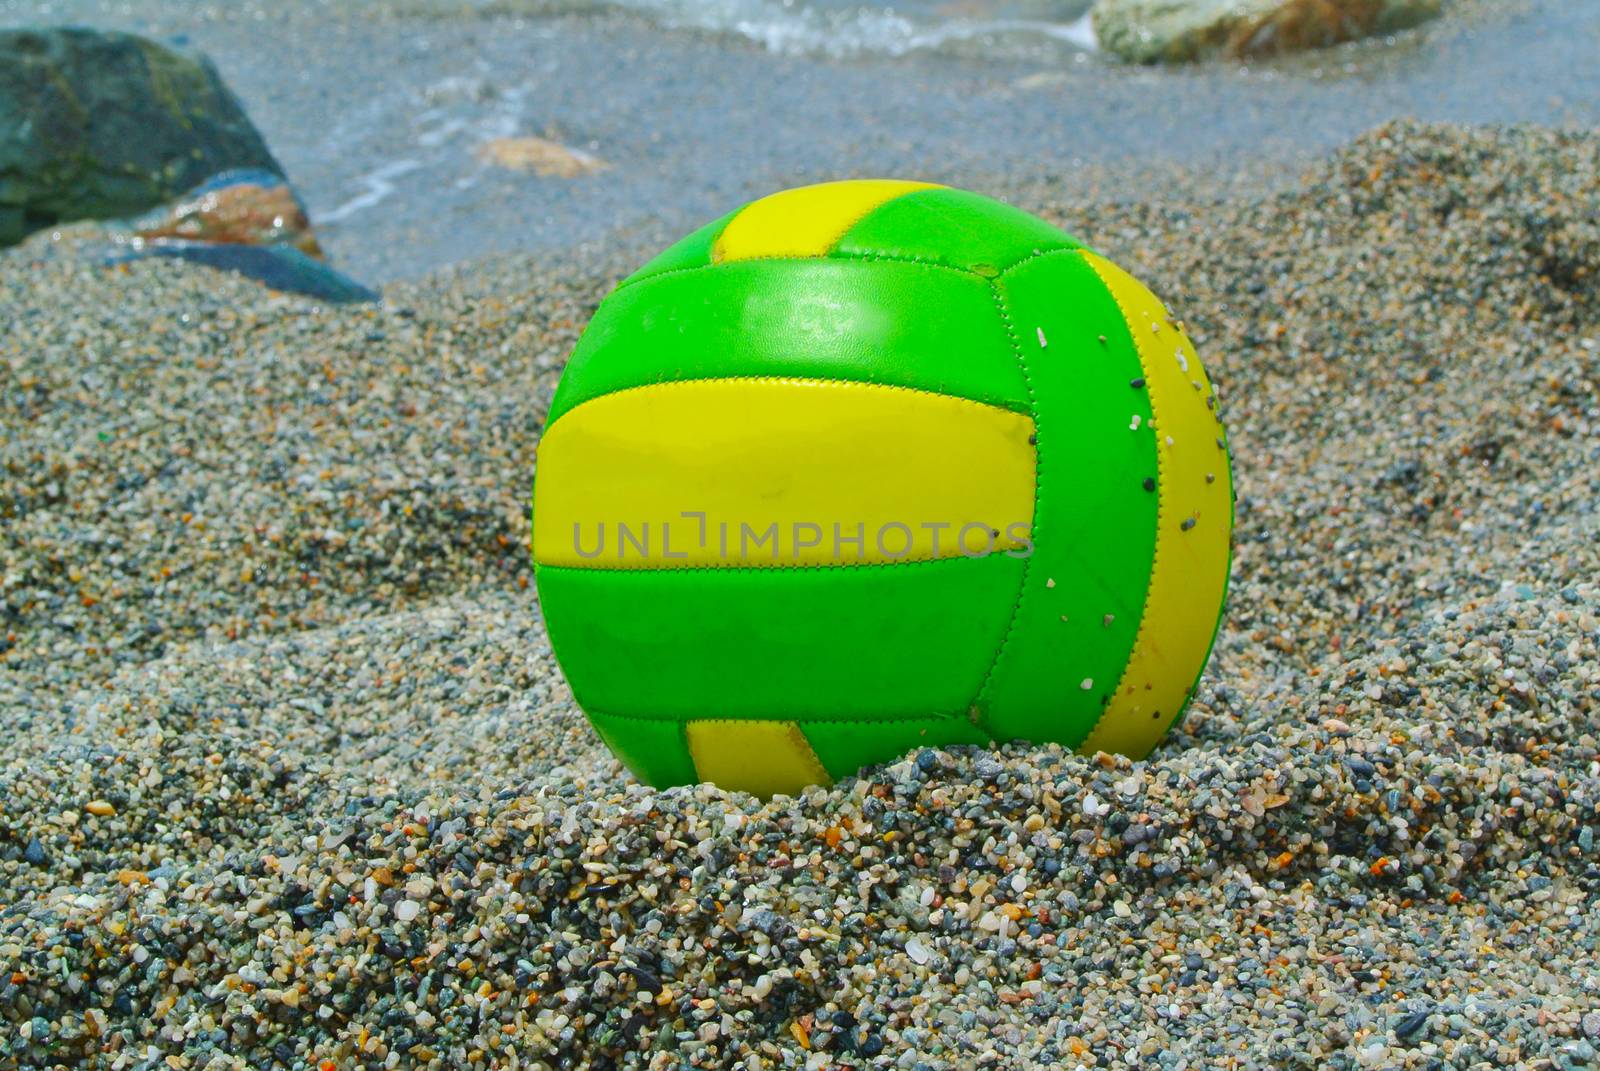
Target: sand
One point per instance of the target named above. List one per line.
(291, 779)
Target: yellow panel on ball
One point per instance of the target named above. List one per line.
(722, 473)
(1194, 524)
(760, 757)
(806, 221)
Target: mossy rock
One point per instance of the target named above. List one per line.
(100, 125)
(1181, 31)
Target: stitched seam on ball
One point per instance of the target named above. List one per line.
(1222, 609)
(907, 258)
(1040, 254)
(844, 230)
(834, 253)
(710, 261)
(1038, 488)
(683, 742)
(633, 281)
(1216, 634)
(911, 258)
(822, 381)
(869, 210)
(777, 567)
(835, 258)
(929, 720)
(1161, 507)
(638, 280)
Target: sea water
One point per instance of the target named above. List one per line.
(841, 29)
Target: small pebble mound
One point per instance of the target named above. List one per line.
(291, 780)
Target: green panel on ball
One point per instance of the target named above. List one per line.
(911, 325)
(653, 750)
(691, 251)
(829, 643)
(1095, 521)
(952, 227)
(844, 747)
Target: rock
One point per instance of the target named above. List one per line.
(241, 207)
(539, 156)
(1411, 1025)
(460, 89)
(1178, 31)
(34, 852)
(99, 125)
(280, 267)
(245, 221)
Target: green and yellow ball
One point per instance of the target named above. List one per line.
(869, 466)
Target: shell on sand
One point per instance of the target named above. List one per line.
(540, 156)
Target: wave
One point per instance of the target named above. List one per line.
(845, 31)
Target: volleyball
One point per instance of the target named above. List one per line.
(870, 466)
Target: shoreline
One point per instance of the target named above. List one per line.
(411, 101)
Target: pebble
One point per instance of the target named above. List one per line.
(34, 852)
(1411, 1025)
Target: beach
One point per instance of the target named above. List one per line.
(377, 109)
(291, 778)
